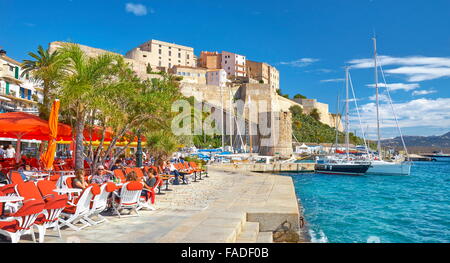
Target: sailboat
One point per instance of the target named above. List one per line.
(344, 166)
(378, 165)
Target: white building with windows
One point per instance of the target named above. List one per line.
(190, 75)
(234, 64)
(216, 77)
(17, 93)
(162, 55)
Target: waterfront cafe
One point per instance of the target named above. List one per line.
(46, 197)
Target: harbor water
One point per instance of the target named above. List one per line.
(387, 209)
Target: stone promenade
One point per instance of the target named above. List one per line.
(226, 207)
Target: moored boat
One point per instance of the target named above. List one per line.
(439, 157)
(344, 168)
(389, 168)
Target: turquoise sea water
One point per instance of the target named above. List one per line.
(387, 209)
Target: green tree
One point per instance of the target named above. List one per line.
(296, 110)
(299, 96)
(46, 68)
(80, 89)
(315, 114)
(161, 144)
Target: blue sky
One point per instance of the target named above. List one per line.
(310, 42)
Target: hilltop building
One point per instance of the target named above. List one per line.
(234, 64)
(190, 74)
(210, 60)
(17, 93)
(325, 116)
(216, 77)
(163, 55)
(263, 73)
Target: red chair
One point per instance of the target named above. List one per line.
(1, 204)
(118, 173)
(9, 189)
(138, 172)
(15, 177)
(21, 222)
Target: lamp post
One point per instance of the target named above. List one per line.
(139, 151)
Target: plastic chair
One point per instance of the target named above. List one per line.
(128, 198)
(100, 203)
(21, 222)
(75, 212)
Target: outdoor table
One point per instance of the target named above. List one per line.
(39, 176)
(5, 199)
(68, 191)
(166, 177)
(195, 177)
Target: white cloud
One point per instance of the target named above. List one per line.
(381, 97)
(421, 73)
(397, 86)
(420, 113)
(416, 68)
(137, 9)
(423, 92)
(406, 61)
(332, 80)
(300, 63)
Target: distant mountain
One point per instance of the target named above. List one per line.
(421, 143)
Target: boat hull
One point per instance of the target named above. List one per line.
(438, 158)
(342, 169)
(388, 168)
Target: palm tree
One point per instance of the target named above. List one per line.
(81, 87)
(46, 69)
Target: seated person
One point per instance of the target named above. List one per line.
(132, 177)
(26, 172)
(174, 171)
(149, 181)
(102, 176)
(79, 181)
(117, 165)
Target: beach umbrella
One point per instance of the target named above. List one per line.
(49, 156)
(21, 126)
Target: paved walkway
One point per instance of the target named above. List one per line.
(211, 210)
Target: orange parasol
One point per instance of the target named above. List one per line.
(21, 125)
(49, 156)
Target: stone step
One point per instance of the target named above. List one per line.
(265, 237)
(249, 233)
(210, 227)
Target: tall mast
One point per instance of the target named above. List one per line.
(377, 97)
(337, 123)
(250, 124)
(231, 121)
(347, 122)
(223, 126)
